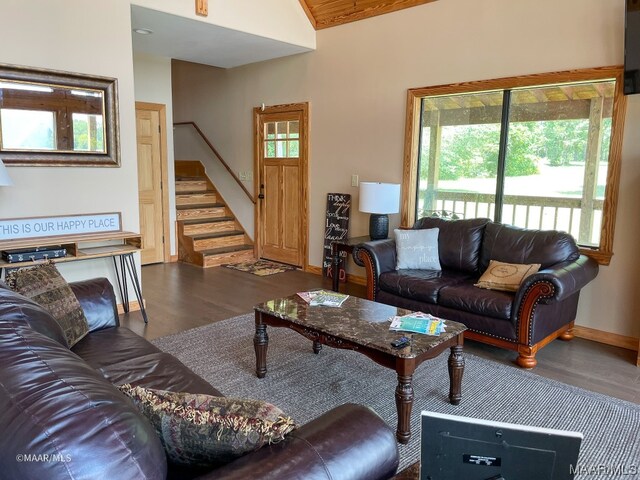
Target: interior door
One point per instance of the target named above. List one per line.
(282, 183)
(150, 185)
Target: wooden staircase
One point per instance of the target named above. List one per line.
(208, 233)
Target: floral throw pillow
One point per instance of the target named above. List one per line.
(44, 285)
(203, 430)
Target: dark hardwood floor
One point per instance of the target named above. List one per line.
(180, 297)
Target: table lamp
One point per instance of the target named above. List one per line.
(5, 179)
(379, 199)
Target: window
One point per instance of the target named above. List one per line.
(282, 139)
(539, 152)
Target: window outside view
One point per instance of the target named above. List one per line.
(555, 164)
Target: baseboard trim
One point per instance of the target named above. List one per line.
(313, 269)
(608, 338)
(357, 279)
(173, 258)
(134, 306)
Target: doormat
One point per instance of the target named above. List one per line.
(261, 268)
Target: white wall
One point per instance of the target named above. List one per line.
(152, 76)
(84, 37)
(282, 20)
(357, 80)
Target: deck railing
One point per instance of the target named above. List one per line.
(545, 213)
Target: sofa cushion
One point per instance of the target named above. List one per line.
(468, 298)
(203, 430)
(506, 276)
(510, 244)
(18, 308)
(417, 249)
(160, 371)
(459, 241)
(45, 286)
(421, 285)
(54, 404)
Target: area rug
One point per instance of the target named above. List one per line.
(261, 268)
(305, 385)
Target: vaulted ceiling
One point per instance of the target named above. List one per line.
(330, 13)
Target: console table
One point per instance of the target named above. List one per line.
(120, 246)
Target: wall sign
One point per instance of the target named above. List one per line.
(336, 228)
(21, 228)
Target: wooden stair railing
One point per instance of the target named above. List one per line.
(215, 152)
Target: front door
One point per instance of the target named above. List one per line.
(150, 184)
(281, 181)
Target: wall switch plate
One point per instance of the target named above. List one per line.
(354, 180)
(249, 176)
(242, 175)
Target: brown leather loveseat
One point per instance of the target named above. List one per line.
(541, 310)
(61, 417)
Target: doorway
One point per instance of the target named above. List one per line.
(153, 197)
(281, 183)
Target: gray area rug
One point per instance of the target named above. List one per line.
(305, 385)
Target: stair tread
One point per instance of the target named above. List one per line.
(199, 205)
(222, 250)
(191, 179)
(229, 233)
(196, 192)
(197, 221)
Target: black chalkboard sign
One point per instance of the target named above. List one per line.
(336, 228)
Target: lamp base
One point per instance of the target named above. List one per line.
(378, 226)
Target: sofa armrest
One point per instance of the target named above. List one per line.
(98, 302)
(562, 280)
(377, 257)
(350, 442)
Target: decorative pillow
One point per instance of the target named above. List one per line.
(203, 430)
(506, 276)
(44, 285)
(417, 249)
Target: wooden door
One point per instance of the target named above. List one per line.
(281, 181)
(151, 164)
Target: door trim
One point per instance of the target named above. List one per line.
(258, 136)
(162, 115)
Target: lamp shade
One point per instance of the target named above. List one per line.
(378, 197)
(5, 179)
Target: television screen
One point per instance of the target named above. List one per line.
(632, 48)
(456, 448)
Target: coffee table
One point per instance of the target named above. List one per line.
(363, 326)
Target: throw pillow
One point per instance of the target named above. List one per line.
(44, 285)
(506, 276)
(203, 430)
(417, 249)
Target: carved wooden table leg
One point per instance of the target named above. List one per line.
(456, 369)
(317, 346)
(404, 399)
(260, 344)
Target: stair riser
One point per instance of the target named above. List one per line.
(186, 186)
(208, 243)
(234, 257)
(195, 213)
(212, 227)
(196, 199)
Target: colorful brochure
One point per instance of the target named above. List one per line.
(418, 322)
(325, 298)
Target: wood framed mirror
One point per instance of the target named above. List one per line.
(54, 118)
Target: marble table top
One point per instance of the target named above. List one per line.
(358, 320)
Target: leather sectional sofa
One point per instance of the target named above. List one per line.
(541, 310)
(61, 416)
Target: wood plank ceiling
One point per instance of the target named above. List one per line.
(330, 13)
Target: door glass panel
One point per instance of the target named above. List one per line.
(459, 143)
(270, 130)
(281, 149)
(294, 129)
(270, 149)
(27, 129)
(557, 158)
(281, 130)
(294, 148)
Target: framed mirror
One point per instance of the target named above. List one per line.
(53, 118)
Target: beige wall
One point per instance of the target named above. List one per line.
(152, 76)
(356, 82)
(85, 37)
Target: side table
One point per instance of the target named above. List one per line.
(338, 247)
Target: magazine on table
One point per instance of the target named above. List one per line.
(325, 298)
(418, 322)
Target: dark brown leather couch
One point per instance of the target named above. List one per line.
(543, 308)
(61, 417)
